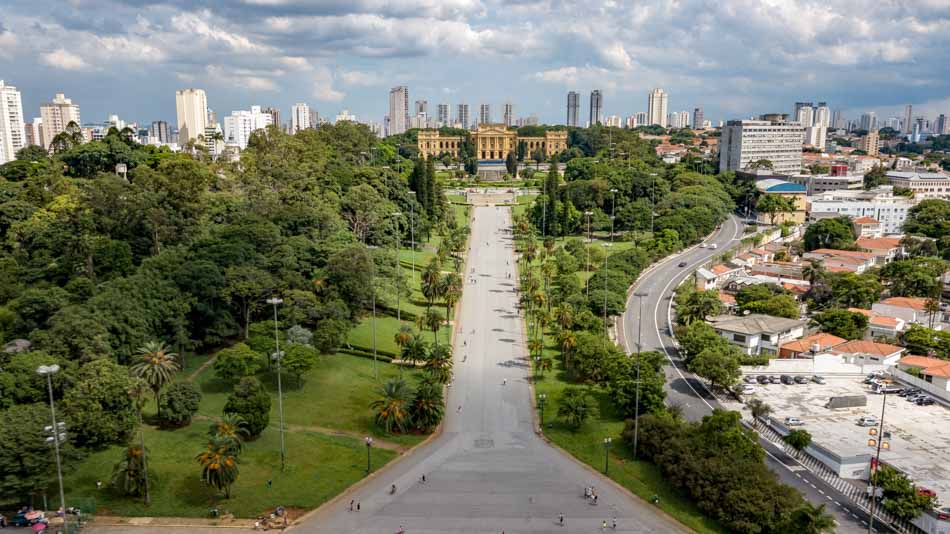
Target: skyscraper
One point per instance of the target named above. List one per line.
(56, 116)
(804, 114)
(942, 126)
(398, 110)
(641, 119)
(838, 121)
(596, 107)
(422, 106)
(484, 114)
(12, 134)
(509, 115)
(192, 108)
(274, 115)
(698, 118)
(868, 121)
(573, 105)
(461, 116)
(822, 115)
(300, 118)
(656, 107)
(34, 132)
(159, 130)
(443, 115)
(744, 142)
(908, 124)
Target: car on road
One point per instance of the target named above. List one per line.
(926, 492)
(714, 246)
(908, 392)
(914, 397)
(867, 420)
(794, 421)
(762, 379)
(682, 264)
(702, 245)
(801, 380)
(924, 401)
(818, 379)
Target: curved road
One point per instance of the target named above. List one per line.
(684, 389)
(488, 471)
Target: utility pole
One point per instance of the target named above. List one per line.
(613, 215)
(588, 214)
(278, 356)
(636, 408)
(58, 431)
(396, 215)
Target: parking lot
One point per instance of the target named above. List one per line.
(920, 435)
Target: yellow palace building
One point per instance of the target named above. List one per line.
(492, 142)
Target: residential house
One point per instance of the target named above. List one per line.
(779, 269)
(881, 325)
(933, 370)
(756, 333)
(913, 310)
(716, 276)
(861, 352)
(867, 227)
(885, 249)
(842, 260)
(808, 346)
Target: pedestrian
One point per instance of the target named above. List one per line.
(560, 519)
(603, 526)
(357, 506)
(98, 484)
(504, 382)
(459, 410)
(595, 499)
(351, 505)
(614, 524)
(423, 478)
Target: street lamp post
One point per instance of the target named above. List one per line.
(636, 408)
(372, 282)
(880, 444)
(606, 255)
(541, 399)
(280, 390)
(613, 215)
(537, 366)
(396, 215)
(589, 240)
(58, 433)
(412, 238)
(369, 446)
(607, 442)
(652, 202)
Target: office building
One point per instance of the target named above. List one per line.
(159, 131)
(461, 116)
(508, 114)
(193, 113)
(443, 115)
(772, 138)
(838, 120)
(398, 110)
(698, 118)
(613, 121)
(573, 105)
(880, 204)
(656, 107)
(12, 134)
(907, 126)
(924, 184)
(868, 121)
(822, 183)
(822, 115)
(596, 113)
(682, 119)
(484, 114)
(300, 118)
(240, 124)
(56, 116)
(870, 143)
(892, 122)
(214, 140)
(422, 106)
(942, 126)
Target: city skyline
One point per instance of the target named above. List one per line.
(127, 61)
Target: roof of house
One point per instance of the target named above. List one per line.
(720, 269)
(914, 175)
(796, 288)
(878, 243)
(754, 324)
(844, 253)
(705, 273)
(824, 340)
(726, 298)
(860, 346)
(885, 320)
(862, 311)
(916, 303)
(866, 220)
(930, 366)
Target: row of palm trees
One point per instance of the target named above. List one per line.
(438, 285)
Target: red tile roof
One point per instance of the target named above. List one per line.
(916, 303)
(845, 253)
(878, 243)
(720, 269)
(862, 311)
(727, 298)
(884, 320)
(867, 347)
(930, 366)
(867, 220)
(824, 340)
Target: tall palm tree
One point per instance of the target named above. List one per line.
(565, 316)
(128, 474)
(545, 364)
(452, 292)
(427, 406)
(231, 427)
(814, 271)
(219, 467)
(567, 340)
(392, 408)
(402, 338)
(416, 350)
(439, 364)
(156, 365)
(433, 320)
(759, 409)
(431, 279)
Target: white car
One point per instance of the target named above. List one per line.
(747, 389)
(714, 246)
(702, 245)
(793, 421)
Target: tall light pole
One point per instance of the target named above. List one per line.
(607, 442)
(613, 215)
(278, 356)
(589, 240)
(372, 282)
(636, 408)
(369, 446)
(396, 215)
(58, 433)
(879, 443)
(412, 237)
(652, 202)
(541, 399)
(606, 255)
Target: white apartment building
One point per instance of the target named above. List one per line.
(12, 134)
(657, 104)
(880, 204)
(300, 118)
(815, 136)
(239, 125)
(923, 184)
(213, 140)
(34, 132)
(345, 116)
(191, 106)
(443, 115)
(56, 116)
(398, 110)
(508, 114)
(822, 183)
(744, 142)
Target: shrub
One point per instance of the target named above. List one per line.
(251, 403)
(179, 403)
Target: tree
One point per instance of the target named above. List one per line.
(915, 277)
(236, 362)
(875, 177)
(697, 306)
(219, 465)
(835, 233)
(810, 519)
(393, 406)
(719, 364)
(798, 439)
(155, 366)
(299, 335)
(697, 337)
(511, 164)
(250, 402)
(538, 157)
(128, 474)
(842, 323)
(97, 408)
(298, 359)
(247, 287)
(427, 407)
(930, 218)
(759, 409)
(575, 407)
(622, 383)
(26, 462)
(179, 404)
(231, 428)
(433, 320)
(329, 335)
(900, 495)
(775, 205)
(438, 364)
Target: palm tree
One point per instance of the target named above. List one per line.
(155, 366)
(576, 407)
(534, 347)
(452, 292)
(759, 409)
(219, 467)
(392, 408)
(811, 519)
(439, 364)
(431, 279)
(545, 364)
(932, 307)
(416, 350)
(814, 271)
(402, 338)
(427, 406)
(568, 340)
(565, 316)
(232, 428)
(128, 475)
(433, 320)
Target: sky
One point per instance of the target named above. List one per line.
(733, 58)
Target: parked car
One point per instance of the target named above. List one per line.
(787, 380)
(775, 380)
(926, 492)
(748, 379)
(924, 401)
(818, 379)
(889, 389)
(762, 379)
(747, 389)
(801, 380)
(682, 264)
(794, 421)
(914, 397)
(908, 392)
(702, 245)
(867, 420)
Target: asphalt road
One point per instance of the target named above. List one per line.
(488, 471)
(684, 389)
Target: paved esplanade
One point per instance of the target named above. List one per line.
(488, 472)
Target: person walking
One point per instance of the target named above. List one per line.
(351, 505)
(603, 526)
(560, 519)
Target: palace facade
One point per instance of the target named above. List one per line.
(492, 142)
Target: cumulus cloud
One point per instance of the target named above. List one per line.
(322, 86)
(61, 59)
(356, 77)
